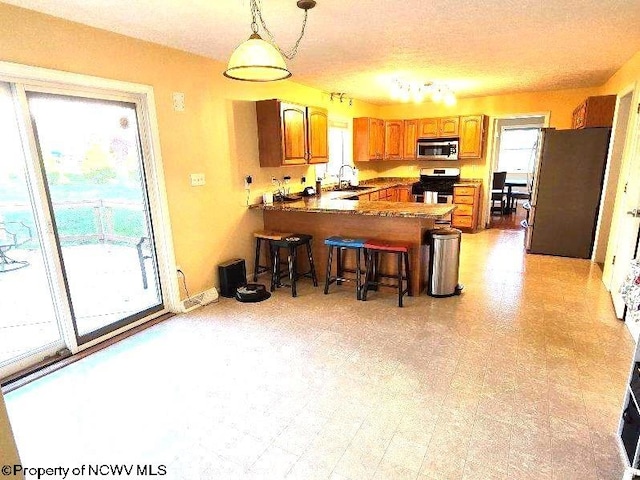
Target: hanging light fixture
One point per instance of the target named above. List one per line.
(419, 92)
(257, 60)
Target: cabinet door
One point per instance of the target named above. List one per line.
(428, 128)
(362, 142)
(393, 139)
(404, 194)
(410, 138)
(379, 136)
(471, 136)
(294, 134)
(449, 126)
(374, 138)
(318, 135)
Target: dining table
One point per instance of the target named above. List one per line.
(510, 184)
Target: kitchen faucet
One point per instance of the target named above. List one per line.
(353, 171)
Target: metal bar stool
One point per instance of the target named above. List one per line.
(291, 243)
(374, 249)
(342, 245)
(267, 236)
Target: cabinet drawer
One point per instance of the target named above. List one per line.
(461, 221)
(464, 191)
(462, 199)
(463, 209)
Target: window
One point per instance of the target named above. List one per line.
(518, 147)
(338, 153)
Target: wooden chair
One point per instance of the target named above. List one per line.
(497, 191)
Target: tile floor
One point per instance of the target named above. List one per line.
(520, 377)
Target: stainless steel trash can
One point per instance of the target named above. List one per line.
(441, 255)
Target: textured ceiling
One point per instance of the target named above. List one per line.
(358, 47)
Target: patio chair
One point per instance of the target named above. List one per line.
(144, 252)
(12, 235)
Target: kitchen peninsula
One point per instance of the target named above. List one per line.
(333, 214)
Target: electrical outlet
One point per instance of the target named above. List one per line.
(247, 182)
(303, 180)
(197, 179)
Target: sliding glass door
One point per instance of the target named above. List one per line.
(91, 156)
(77, 250)
(29, 324)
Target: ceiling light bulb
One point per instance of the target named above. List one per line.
(418, 95)
(405, 95)
(396, 90)
(256, 61)
(436, 96)
(449, 99)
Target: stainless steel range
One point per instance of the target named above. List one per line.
(435, 183)
(436, 186)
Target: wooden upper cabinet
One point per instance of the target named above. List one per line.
(449, 126)
(438, 127)
(318, 137)
(428, 128)
(291, 134)
(594, 112)
(368, 139)
(294, 133)
(410, 138)
(393, 139)
(472, 129)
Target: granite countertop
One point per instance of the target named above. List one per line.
(335, 202)
(472, 182)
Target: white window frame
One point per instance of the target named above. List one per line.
(54, 81)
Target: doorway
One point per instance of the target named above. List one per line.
(626, 219)
(515, 152)
(78, 254)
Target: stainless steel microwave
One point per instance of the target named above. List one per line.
(437, 149)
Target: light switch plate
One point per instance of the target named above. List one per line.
(197, 179)
(178, 101)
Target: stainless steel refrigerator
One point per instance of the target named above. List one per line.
(567, 186)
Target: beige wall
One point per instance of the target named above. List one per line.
(216, 135)
(8, 450)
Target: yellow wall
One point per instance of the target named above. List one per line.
(216, 135)
(8, 451)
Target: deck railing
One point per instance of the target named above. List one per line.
(94, 221)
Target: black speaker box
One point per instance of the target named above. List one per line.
(233, 274)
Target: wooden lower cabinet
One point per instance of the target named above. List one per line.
(391, 194)
(467, 200)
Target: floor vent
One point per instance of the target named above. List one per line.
(200, 299)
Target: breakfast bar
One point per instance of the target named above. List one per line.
(332, 214)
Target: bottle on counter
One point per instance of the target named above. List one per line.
(318, 187)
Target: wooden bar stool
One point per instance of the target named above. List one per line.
(267, 236)
(291, 243)
(342, 245)
(374, 249)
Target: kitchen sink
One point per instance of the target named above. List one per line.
(287, 198)
(353, 188)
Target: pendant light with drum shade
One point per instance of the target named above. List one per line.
(257, 60)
